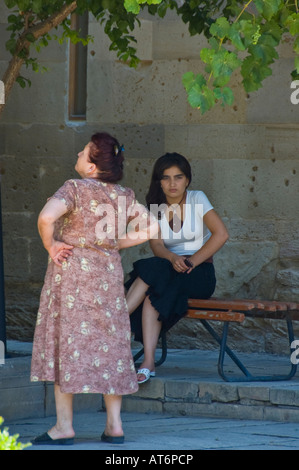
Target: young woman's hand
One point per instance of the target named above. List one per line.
(178, 263)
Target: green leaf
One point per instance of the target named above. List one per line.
(228, 96)
(271, 34)
(11, 45)
(10, 3)
(13, 19)
(249, 31)
(151, 2)
(223, 29)
(199, 95)
(8, 442)
(132, 6)
(292, 23)
(189, 80)
(295, 75)
(22, 81)
(222, 80)
(220, 28)
(235, 37)
(24, 5)
(202, 98)
(254, 72)
(225, 95)
(224, 63)
(37, 6)
(265, 53)
(207, 55)
(268, 8)
(30, 37)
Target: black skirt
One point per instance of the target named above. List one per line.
(169, 290)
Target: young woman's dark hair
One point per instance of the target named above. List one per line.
(155, 193)
(107, 155)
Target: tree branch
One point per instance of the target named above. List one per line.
(39, 30)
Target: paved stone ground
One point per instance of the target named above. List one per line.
(199, 410)
(156, 432)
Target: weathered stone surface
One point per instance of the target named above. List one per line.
(288, 277)
(219, 392)
(243, 157)
(154, 389)
(254, 393)
(177, 390)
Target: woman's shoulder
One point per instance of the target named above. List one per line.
(196, 195)
(126, 191)
(69, 185)
(73, 182)
(200, 198)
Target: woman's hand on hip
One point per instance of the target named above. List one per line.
(59, 252)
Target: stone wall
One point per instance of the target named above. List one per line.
(244, 157)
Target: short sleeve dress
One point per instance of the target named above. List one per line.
(82, 340)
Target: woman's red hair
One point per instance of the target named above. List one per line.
(107, 155)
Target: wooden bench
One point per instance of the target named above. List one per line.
(227, 311)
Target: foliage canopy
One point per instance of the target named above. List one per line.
(242, 35)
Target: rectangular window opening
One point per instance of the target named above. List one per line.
(78, 71)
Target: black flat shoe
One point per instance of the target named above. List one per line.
(46, 440)
(112, 439)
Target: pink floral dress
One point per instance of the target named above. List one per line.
(82, 339)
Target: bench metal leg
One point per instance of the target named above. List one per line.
(247, 377)
(224, 348)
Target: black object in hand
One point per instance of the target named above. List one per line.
(188, 263)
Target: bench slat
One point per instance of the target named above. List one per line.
(223, 304)
(216, 315)
(244, 305)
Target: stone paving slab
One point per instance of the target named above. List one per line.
(156, 432)
(187, 384)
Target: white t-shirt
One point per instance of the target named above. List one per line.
(194, 233)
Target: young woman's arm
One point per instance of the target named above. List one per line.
(160, 250)
(216, 241)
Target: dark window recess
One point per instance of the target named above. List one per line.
(78, 71)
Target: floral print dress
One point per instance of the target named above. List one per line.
(82, 339)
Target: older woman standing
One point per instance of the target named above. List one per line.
(82, 339)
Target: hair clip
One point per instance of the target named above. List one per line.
(118, 149)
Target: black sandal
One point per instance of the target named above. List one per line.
(46, 440)
(112, 439)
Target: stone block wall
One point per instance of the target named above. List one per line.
(244, 157)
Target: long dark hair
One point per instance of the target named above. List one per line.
(155, 193)
(107, 155)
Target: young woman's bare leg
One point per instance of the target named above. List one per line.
(151, 328)
(136, 294)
